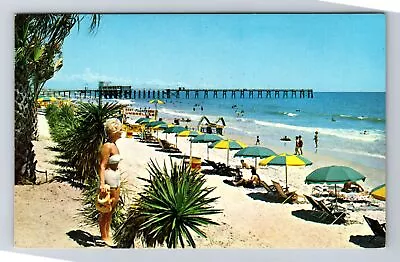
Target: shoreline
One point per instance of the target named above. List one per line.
(247, 221)
(374, 176)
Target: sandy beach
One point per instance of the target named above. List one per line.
(249, 219)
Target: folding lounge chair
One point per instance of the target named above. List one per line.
(167, 147)
(220, 168)
(288, 196)
(336, 216)
(314, 203)
(376, 227)
(269, 188)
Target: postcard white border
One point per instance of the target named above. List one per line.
(9, 7)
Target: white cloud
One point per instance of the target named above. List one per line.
(88, 76)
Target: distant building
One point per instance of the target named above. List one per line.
(111, 91)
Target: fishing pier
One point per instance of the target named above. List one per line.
(127, 92)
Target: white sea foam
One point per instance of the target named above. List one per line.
(341, 133)
(361, 153)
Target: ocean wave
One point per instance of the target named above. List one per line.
(358, 118)
(178, 113)
(362, 153)
(350, 134)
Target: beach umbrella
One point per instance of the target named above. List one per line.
(45, 99)
(146, 121)
(207, 138)
(334, 175)
(229, 145)
(156, 102)
(254, 152)
(189, 133)
(142, 119)
(174, 130)
(285, 160)
(379, 192)
(162, 127)
(155, 123)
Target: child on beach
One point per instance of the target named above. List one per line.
(257, 140)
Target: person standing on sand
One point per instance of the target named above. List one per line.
(110, 175)
(296, 146)
(257, 140)
(316, 139)
(300, 149)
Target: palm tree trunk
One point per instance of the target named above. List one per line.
(25, 163)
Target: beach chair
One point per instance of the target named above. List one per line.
(313, 202)
(377, 228)
(290, 197)
(269, 188)
(336, 216)
(167, 147)
(220, 169)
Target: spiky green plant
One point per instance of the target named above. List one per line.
(82, 142)
(171, 207)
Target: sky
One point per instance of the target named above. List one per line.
(323, 52)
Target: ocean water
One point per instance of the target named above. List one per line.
(340, 119)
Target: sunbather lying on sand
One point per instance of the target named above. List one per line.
(252, 182)
(352, 187)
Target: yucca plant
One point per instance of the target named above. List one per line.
(171, 207)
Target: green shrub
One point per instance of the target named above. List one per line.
(171, 207)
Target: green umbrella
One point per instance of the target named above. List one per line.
(207, 138)
(189, 133)
(229, 145)
(143, 120)
(334, 175)
(155, 123)
(174, 130)
(254, 151)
